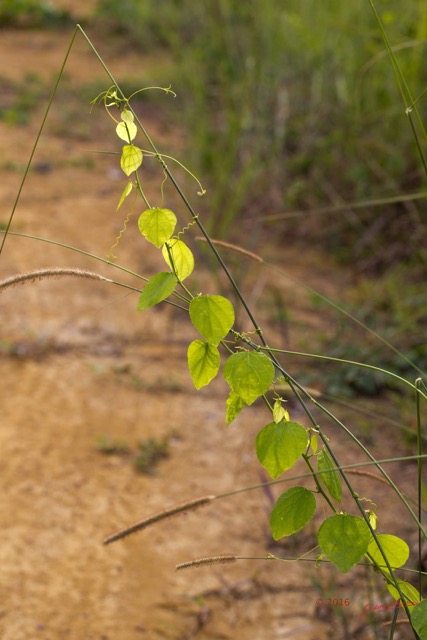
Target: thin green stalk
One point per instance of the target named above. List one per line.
(36, 142)
(419, 472)
(302, 476)
(408, 100)
(360, 204)
(178, 189)
(350, 362)
(322, 297)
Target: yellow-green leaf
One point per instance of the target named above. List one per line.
(329, 476)
(292, 511)
(411, 594)
(279, 446)
(127, 116)
(126, 191)
(131, 158)
(203, 362)
(182, 257)
(157, 225)
(279, 412)
(249, 374)
(212, 316)
(395, 549)
(126, 131)
(158, 288)
(344, 540)
(233, 407)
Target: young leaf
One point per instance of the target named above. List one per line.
(313, 443)
(292, 511)
(203, 362)
(127, 116)
(412, 595)
(131, 158)
(344, 540)
(212, 316)
(126, 192)
(330, 477)
(396, 550)
(233, 405)
(249, 374)
(157, 225)
(419, 619)
(158, 288)
(279, 412)
(279, 446)
(126, 131)
(183, 259)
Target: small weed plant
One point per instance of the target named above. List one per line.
(254, 369)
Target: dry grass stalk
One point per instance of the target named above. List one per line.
(201, 562)
(166, 513)
(41, 274)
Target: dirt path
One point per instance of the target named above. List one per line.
(77, 362)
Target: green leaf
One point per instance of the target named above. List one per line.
(126, 191)
(131, 158)
(419, 619)
(396, 550)
(249, 374)
(212, 316)
(292, 511)
(158, 288)
(412, 595)
(126, 131)
(330, 476)
(279, 446)
(233, 406)
(344, 540)
(203, 362)
(183, 259)
(157, 225)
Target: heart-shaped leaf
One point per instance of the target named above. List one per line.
(279, 446)
(203, 362)
(131, 158)
(292, 511)
(249, 374)
(212, 316)
(157, 225)
(395, 549)
(344, 540)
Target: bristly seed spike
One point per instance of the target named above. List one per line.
(161, 515)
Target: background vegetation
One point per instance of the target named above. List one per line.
(294, 117)
(294, 120)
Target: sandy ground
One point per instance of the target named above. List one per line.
(78, 362)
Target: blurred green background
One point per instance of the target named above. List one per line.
(294, 122)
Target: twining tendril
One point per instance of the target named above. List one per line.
(189, 225)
